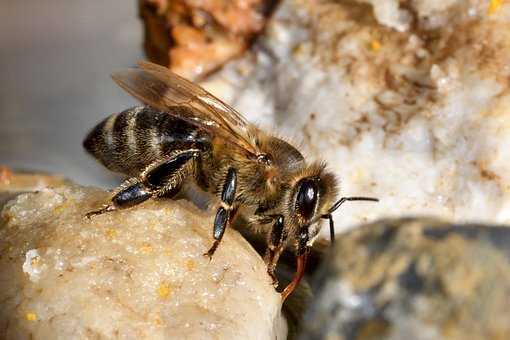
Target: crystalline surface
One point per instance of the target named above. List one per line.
(131, 274)
(406, 101)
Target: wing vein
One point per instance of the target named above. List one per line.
(156, 86)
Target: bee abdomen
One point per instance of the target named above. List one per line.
(113, 141)
(127, 142)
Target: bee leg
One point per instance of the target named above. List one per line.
(224, 214)
(170, 172)
(277, 237)
(104, 209)
(162, 178)
(132, 193)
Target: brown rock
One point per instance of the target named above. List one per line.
(195, 37)
(18, 181)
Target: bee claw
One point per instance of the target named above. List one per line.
(104, 209)
(212, 250)
(208, 255)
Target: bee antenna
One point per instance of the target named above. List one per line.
(337, 205)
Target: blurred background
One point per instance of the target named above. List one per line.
(56, 57)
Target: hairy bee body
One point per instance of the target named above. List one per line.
(186, 134)
(129, 141)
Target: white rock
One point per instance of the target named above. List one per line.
(33, 266)
(420, 123)
(133, 274)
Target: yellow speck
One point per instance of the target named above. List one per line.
(168, 253)
(158, 321)
(7, 250)
(190, 265)
(299, 49)
(30, 316)
(375, 45)
(59, 208)
(494, 6)
(146, 248)
(35, 261)
(111, 233)
(164, 290)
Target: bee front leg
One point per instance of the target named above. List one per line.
(226, 212)
(275, 245)
(161, 178)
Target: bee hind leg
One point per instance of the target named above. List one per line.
(160, 179)
(131, 193)
(226, 212)
(104, 209)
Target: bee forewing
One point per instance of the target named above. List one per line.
(158, 87)
(194, 92)
(150, 90)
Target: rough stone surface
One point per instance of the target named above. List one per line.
(194, 37)
(134, 274)
(407, 101)
(414, 279)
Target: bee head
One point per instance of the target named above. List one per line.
(311, 195)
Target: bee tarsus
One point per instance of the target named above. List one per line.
(104, 209)
(225, 213)
(160, 179)
(275, 245)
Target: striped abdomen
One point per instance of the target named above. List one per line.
(127, 142)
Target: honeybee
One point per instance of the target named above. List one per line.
(185, 133)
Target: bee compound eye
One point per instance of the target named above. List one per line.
(306, 198)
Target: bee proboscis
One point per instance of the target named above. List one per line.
(185, 133)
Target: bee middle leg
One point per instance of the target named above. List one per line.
(275, 245)
(161, 178)
(226, 212)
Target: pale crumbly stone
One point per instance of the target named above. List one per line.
(407, 101)
(133, 274)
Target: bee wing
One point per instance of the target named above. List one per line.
(160, 88)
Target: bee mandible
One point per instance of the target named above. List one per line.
(185, 133)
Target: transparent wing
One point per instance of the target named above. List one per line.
(160, 88)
